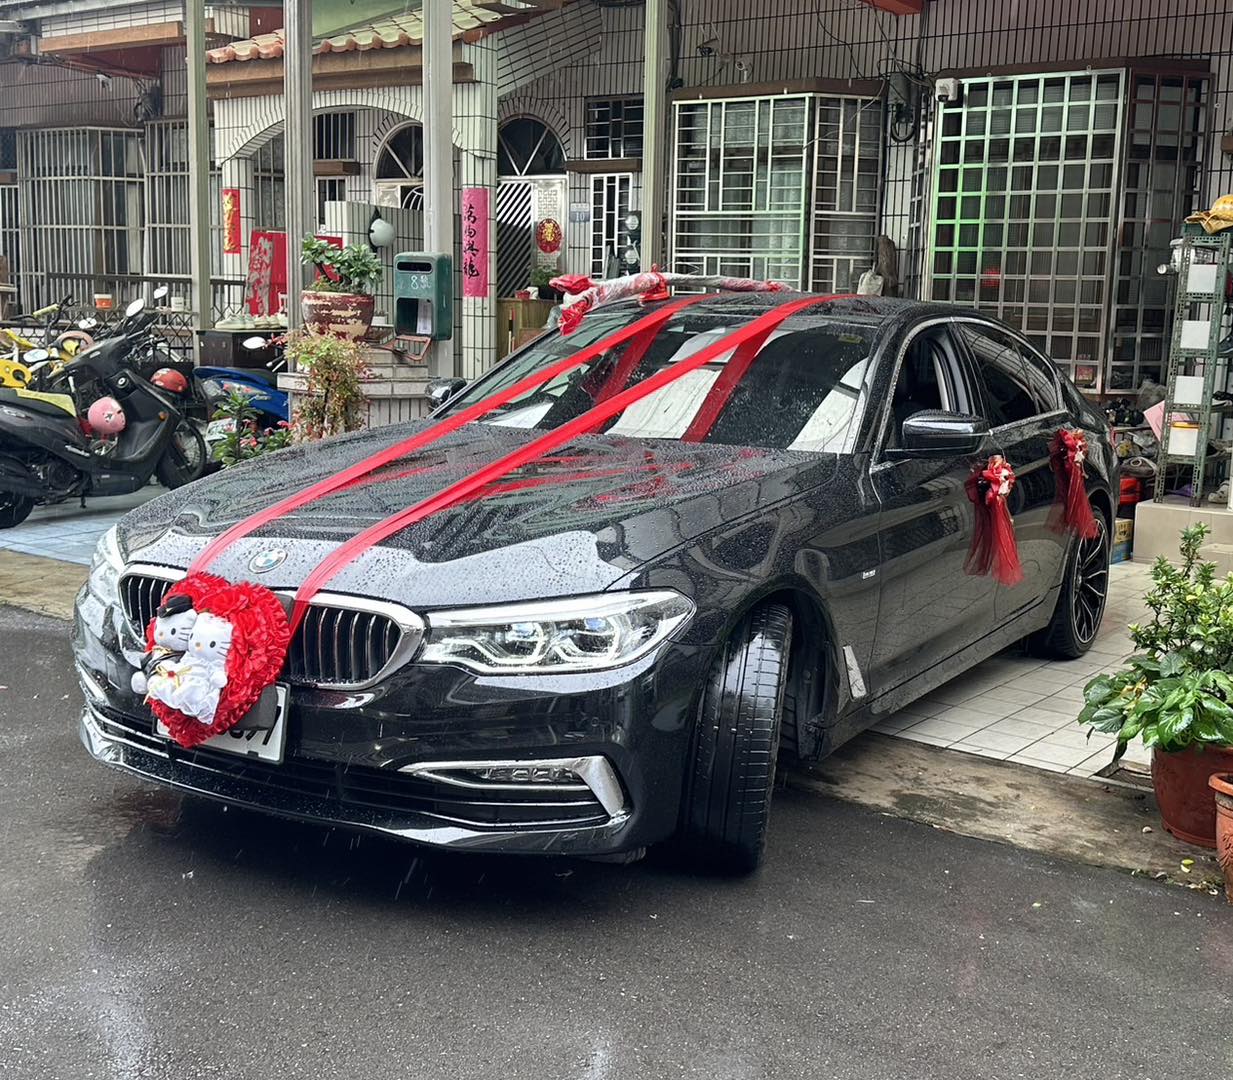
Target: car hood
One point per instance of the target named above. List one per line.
(572, 522)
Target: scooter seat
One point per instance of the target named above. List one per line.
(56, 405)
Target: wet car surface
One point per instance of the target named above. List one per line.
(608, 646)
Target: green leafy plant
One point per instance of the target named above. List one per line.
(540, 276)
(334, 402)
(351, 269)
(246, 439)
(1177, 691)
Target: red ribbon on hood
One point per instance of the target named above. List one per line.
(994, 548)
(644, 326)
(1072, 509)
(588, 421)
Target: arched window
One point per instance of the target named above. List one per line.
(527, 147)
(400, 166)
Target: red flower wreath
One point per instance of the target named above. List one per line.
(260, 636)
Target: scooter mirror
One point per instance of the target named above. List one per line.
(136, 306)
(36, 356)
(161, 292)
(254, 343)
(87, 324)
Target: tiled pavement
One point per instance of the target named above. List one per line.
(67, 532)
(1017, 708)
(1012, 707)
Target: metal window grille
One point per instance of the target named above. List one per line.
(334, 136)
(740, 187)
(400, 167)
(614, 128)
(82, 191)
(847, 178)
(1165, 125)
(329, 189)
(10, 243)
(269, 186)
(167, 228)
(1024, 185)
(610, 197)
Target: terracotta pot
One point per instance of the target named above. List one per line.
(1187, 804)
(1222, 785)
(348, 315)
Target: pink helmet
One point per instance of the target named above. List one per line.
(170, 379)
(106, 417)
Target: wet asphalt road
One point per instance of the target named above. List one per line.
(149, 936)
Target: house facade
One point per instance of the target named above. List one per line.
(1031, 159)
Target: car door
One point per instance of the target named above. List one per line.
(1023, 404)
(929, 608)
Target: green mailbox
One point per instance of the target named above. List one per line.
(424, 295)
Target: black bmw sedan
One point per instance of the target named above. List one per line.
(746, 530)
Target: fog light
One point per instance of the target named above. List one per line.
(537, 774)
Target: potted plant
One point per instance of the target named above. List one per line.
(1222, 786)
(340, 300)
(333, 401)
(1177, 691)
(541, 278)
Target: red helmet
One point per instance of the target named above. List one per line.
(171, 380)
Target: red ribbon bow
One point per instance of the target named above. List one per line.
(1072, 510)
(994, 549)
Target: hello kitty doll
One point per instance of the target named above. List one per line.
(202, 673)
(173, 625)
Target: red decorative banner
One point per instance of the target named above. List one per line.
(994, 549)
(475, 249)
(548, 236)
(231, 221)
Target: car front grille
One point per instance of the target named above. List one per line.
(342, 642)
(338, 787)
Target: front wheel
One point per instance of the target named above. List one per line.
(14, 509)
(1081, 603)
(184, 460)
(727, 798)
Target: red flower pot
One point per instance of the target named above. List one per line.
(348, 315)
(1187, 804)
(1222, 785)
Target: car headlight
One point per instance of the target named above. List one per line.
(105, 568)
(583, 633)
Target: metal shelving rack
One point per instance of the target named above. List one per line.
(1196, 244)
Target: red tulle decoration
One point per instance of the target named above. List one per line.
(1072, 510)
(572, 284)
(994, 549)
(571, 317)
(260, 636)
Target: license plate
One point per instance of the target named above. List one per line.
(216, 429)
(264, 742)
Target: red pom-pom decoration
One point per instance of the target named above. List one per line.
(260, 636)
(994, 549)
(1072, 510)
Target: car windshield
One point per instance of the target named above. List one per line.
(803, 390)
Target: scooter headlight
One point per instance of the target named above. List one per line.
(106, 567)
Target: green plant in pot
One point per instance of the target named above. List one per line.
(1177, 690)
(333, 402)
(340, 300)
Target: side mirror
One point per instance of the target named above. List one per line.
(161, 292)
(36, 356)
(934, 433)
(136, 307)
(254, 343)
(441, 390)
(87, 323)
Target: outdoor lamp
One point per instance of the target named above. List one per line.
(380, 232)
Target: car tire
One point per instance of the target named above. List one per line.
(185, 458)
(727, 797)
(1081, 602)
(14, 509)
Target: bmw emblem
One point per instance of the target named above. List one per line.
(264, 561)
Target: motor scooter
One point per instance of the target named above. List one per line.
(48, 454)
(257, 385)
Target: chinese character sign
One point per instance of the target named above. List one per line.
(475, 241)
(231, 221)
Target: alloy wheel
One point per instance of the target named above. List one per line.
(1091, 583)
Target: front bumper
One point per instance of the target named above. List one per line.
(387, 760)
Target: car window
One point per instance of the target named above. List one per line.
(929, 377)
(802, 391)
(1014, 388)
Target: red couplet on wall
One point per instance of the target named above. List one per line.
(231, 221)
(475, 247)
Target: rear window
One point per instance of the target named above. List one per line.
(802, 391)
